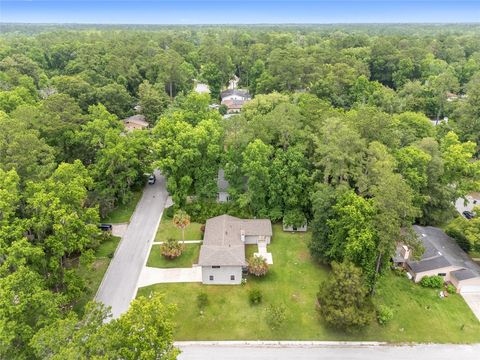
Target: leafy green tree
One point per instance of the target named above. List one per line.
(340, 151)
(145, 331)
(256, 167)
(153, 101)
(115, 98)
(212, 75)
(26, 305)
(412, 127)
(343, 299)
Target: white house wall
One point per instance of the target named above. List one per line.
(222, 275)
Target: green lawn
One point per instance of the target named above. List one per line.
(167, 230)
(93, 276)
(122, 213)
(187, 259)
(293, 280)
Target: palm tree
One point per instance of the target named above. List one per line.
(181, 220)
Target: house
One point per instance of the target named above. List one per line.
(222, 254)
(443, 257)
(135, 122)
(234, 99)
(222, 183)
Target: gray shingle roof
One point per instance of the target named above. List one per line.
(238, 92)
(440, 251)
(436, 262)
(222, 243)
(463, 274)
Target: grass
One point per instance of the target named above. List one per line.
(123, 212)
(167, 230)
(187, 259)
(93, 276)
(293, 280)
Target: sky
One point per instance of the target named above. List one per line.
(239, 11)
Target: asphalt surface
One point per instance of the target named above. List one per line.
(119, 285)
(299, 351)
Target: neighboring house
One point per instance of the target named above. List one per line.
(222, 195)
(443, 257)
(222, 254)
(135, 122)
(435, 122)
(234, 99)
(302, 228)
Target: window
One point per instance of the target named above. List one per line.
(215, 267)
(232, 277)
(211, 277)
(442, 274)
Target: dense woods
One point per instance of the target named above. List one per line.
(339, 134)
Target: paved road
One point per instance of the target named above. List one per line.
(328, 351)
(119, 285)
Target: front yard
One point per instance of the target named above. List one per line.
(123, 213)
(187, 259)
(167, 230)
(293, 280)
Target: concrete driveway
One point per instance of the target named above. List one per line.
(119, 285)
(473, 301)
(150, 275)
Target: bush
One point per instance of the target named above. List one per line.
(434, 282)
(451, 289)
(172, 248)
(384, 314)
(257, 265)
(255, 296)
(275, 316)
(202, 300)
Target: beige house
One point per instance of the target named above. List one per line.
(135, 122)
(222, 254)
(442, 257)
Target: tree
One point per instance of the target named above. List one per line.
(211, 74)
(152, 100)
(26, 305)
(145, 331)
(343, 300)
(257, 265)
(172, 248)
(115, 98)
(340, 151)
(181, 220)
(256, 164)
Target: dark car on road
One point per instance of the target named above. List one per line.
(105, 227)
(151, 179)
(468, 214)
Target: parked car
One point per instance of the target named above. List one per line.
(151, 179)
(105, 227)
(468, 214)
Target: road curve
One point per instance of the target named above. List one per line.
(323, 350)
(119, 284)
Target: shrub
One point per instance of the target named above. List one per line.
(384, 314)
(255, 296)
(172, 248)
(257, 265)
(451, 289)
(275, 316)
(434, 282)
(202, 300)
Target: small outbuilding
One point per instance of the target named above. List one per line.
(135, 122)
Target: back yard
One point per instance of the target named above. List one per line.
(293, 280)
